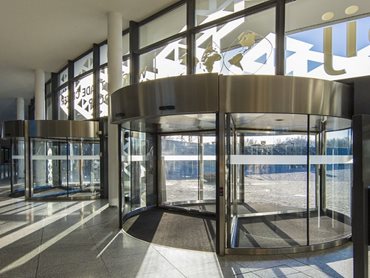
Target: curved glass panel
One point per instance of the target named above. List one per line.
(289, 178)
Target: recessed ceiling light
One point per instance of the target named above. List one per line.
(351, 10)
(327, 16)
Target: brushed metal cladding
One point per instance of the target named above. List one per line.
(285, 94)
(175, 95)
(63, 129)
(13, 129)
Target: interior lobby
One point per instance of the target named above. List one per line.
(185, 138)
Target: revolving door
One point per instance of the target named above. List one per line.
(269, 158)
(55, 159)
(289, 178)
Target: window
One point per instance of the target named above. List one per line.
(83, 98)
(63, 104)
(169, 60)
(163, 27)
(241, 46)
(84, 64)
(209, 10)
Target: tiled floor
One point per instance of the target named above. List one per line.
(81, 239)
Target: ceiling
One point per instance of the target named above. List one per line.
(45, 34)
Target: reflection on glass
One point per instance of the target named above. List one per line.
(166, 61)
(83, 98)
(241, 46)
(63, 104)
(209, 10)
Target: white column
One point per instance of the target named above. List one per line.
(39, 167)
(39, 95)
(20, 108)
(114, 83)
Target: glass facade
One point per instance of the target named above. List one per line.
(228, 37)
(159, 28)
(166, 61)
(328, 42)
(209, 10)
(242, 46)
(83, 100)
(63, 98)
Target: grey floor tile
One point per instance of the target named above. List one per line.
(277, 271)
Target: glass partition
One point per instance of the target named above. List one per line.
(289, 179)
(138, 170)
(188, 170)
(18, 170)
(65, 168)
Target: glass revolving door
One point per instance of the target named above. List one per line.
(65, 168)
(289, 180)
(188, 171)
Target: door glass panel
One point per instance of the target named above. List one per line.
(63, 168)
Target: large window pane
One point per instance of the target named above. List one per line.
(166, 61)
(83, 98)
(84, 64)
(163, 27)
(63, 104)
(242, 46)
(209, 10)
(320, 47)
